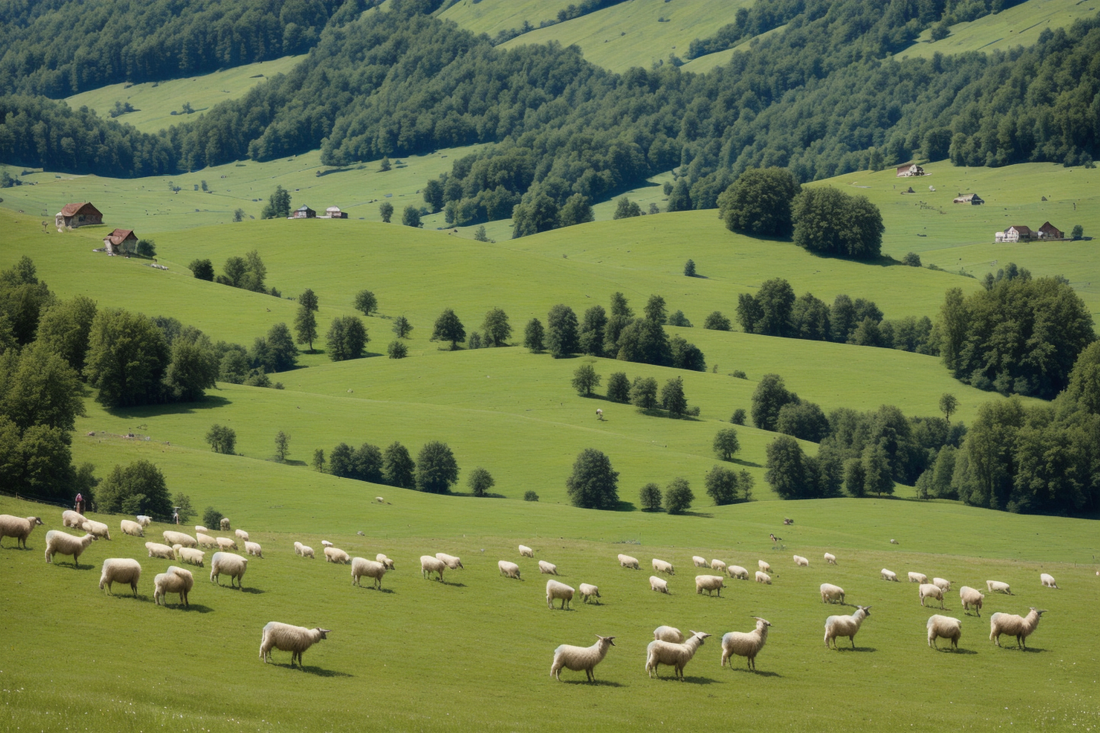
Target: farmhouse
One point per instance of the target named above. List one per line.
(304, 212)
(333, 212)
(77, 215)
(1049, 231)
(121, 241)
(909, 170)
(970, 198)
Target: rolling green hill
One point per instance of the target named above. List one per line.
(492, 17)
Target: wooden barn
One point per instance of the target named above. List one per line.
(77, 215)
(304, 212)
(1049, 231)
(969, 198)
(121, 241)
(333, 212)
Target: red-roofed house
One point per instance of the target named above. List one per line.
(78, 215)
(1049, 231)
(121, 241)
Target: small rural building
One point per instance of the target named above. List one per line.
(969, 198)
(333, 212)
(121, 241)
(909, 170)
(77, 215)
(1015, 234)
(304, 212)
(1049, 231)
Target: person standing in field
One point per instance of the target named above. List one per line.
(79, 504)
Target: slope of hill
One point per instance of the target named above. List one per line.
(493, 17)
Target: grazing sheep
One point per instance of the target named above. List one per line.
(380, 500)
(190, 555)
(736, 571)
(588, 590)
(668, 633)
(429, 565)
(971, 597)
(385, 561)
(120, 570)
(336, 555)
(450, 561)
(1012, 625)
(223, 525)
(253, 548)
(69, 518)
(717, 565)
(658, 584)
(303, 550)
(577, 658)
(179, 538)
(66, 544)
(173, 580)
(132, 528)
(287, 638)
(18, 527)
(830, 558)
(370, 568)
(199, 528)
(763, 566)
(945, 627)
(942, 583)
(509, 568)
(232, 565)
(326, 543)
(525, 551)
(996, 586)
(745, 644)
(709, 583)
(556, 590)
(1047, 580)
(144, 520)
(626, 561)
(547, 568)
(930, 590)
(241, 535)
(917, 577)
(660, 566)
(801, 561)
(831, 593)
(893, 542)
(163, 551)
(763, 578)
(205, 540)
(674, 655)
(889, 575)
(699, 562)
(845, 626)
(99, 529)
(226, 543)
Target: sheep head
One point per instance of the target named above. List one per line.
(761, 621)
(35, 521)
(324, 632)
(608, 639)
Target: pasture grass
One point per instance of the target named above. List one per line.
(478, 16)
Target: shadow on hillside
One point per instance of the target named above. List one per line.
(624, 506)
(742, 462)
(208, 402)
(704, 515)
(292, 462)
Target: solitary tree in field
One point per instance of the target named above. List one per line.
(436, 468)
(721, 484)
(480, 481)
(222, 439)
(202, 269)
(401, 327)
(726, 443)
(678, 496)
(585, 379)
(593, 483)
(386, 210)
(448, 328)
(618, 387)
(365, 302)
(282, 446)
(305, 323)
(319, 460)
(347, 337)
(411, 217)
(948, 405)
(650, 497)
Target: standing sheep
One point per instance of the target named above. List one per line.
(370, 568)
(929, 590)
(120, 570)
(59, 542)
(163, 551)
(889, 575)
(99, 529)
(224, 524)
(385, 561)
(144, 520)
(241, 535)
(525, 551)
(429, 565)
(547, 568)
(660, 566)
(668, 633)
(626, 561)
(132, 528)
(845, 626)
(801, 561)
(709, 583)
(232, 565)
(587, 590)
(830, 558)
(226, 543)
(287, 638)
(942, 584)
(717, 565)
(190, 555)
(763, 566)
(944, 627)
(69, 518)
(917, 577)
(303, 550)
(450, 561)
(674, 655)
(745, 644)
(763, 578)
(1047, 580)
(18, 527)
(173, 580)
(253, 548)
(699, 562)
(1012, 625)
(205, 540)
(556, 590)
(831, 593)
(658, 584)
(336, 555)
(736, 571)
(971, 597)
(996, 586)
(577, 658)
(172, 537)
(509, 569)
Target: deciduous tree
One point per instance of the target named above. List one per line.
(593, 483)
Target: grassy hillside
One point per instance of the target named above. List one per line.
(493, 16)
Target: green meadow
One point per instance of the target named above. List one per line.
(491, 18)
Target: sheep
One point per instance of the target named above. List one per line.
(190, 555)
(120, 570)
(226, 543)
(658, 584)
(241, 535)
(946, 627)
(287, 638)
(158, 550)
(588, 590)
(336, 555)
(525, 551)
(917, 577)
(232, 565)
(626, 561)
(547, 568)
(132, 528)
(699, 562)
(303, 550)
(996, 586)
(173, 580)
(674, 655)
(200, 529)
(736, 571)
(830, 558)
(942, 583)
(370, 568)
(380, 500)
(660, 566)
(845, 626)
(971, 597)
(385, 561)
(1047, 580)
(450, 561)
(717, 565)
(831, 593)
(144, 520)
(429, 565)
(763, 566)
(930, 590)
(763, 578)
(99, 529)
(893, 542)
(745, 644)
(69, 518)
(801, 561)
(253, 548)
(556, 590)
(179, 538)
(223, 525)
(577, 658)
(67, 544)
(709, 583)
(889, 575)
(326, 543)
(668, 633)
(1012, 625)
(18, 527)
(205, 540)
(509, 569)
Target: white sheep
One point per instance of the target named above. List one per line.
(241, 535)
(699, 562)
(942, 583)
(429, 565)
(845, 626)
(223, 524)
(763, 566)
(336, 555)
(1047, 580)
(996, 586)
(626, 561)
(944, 627)
(509, 569)
(132, 528)
(971, 597)
(893, 542)
(370, 568)
(658, 584)
(226, 543)
(205, 540)
(709, 583)
(556, 590)
(171, 537)
(547, 568)
(303, 550)
(163, 551)
(326, 543)
(763, 578)
(450, 561)
(18, 527)
(173, 580)
(831, 593)
(287, 638)
(930, 590)
(801, 561)
(385, 561)
(232, 565)
(668, 633)
(120, 570)
(253, 548)
(717, 565)
(587, 590)
(830, 558)
(144, 520)
(745, 644)
(66, 544)
(1012, 625)
(199, 528)
(577, 658)
(660, 566)
(525, 551)
(99, 529)
(190, 555)
(674, 655)
(69, 518)
(736, 571)
(889, 575)
(917, 577)
(380, 500)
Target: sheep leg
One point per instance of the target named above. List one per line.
(853, 638)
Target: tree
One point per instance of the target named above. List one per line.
(193, 367)
(23, 299)
(593, 483)
(282, 353)
(347, 337)
(211, 517)
(618, 387)
(786, 469)
(1084, 379)
(480, 235)
(585, 380)
(679, 319)
(625, 209)
(759, 202)
(678, 496)
(643, 393)
(644, 341)
(202, 269)
(680, 198)
(127, 359)
(496, 328)
(480, 481)
(716, 322)
(436, 468)
(726, 443)
(305, 323)
(222, 439)
(341, 460)
(738, 417)
(689, 268)
(948, 405)
(184, 509)
(912, 259)
(385, 209)
(749, 312)
(876, 470)
(38, 387)
(745, 482)
(533, 336)
(536, 213)
(278, 205)
(366, 464)
(776, 303)
(855, 480)
(282, 446)
(318, 462)
(684, 355)
(146, 248)
(411, 217)
(433, 195)
(530, 496)
(397, 350)
(385, 166)
(593, 327)
(803, 420)
(767, 399)
(721, 485)
(398, 467)
(365, 302)
(655, 310)
(139, 488)
(448, 328)
(650, 498)
(401, 327)
(673, 398)
(561, 331)
(1078, 233)
(810, 318)
(238, 215)
(575, 210)
(830, 222)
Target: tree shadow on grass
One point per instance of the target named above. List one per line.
(291, 462)
(175, 408)
(624, 506)
(704, 515)
(742, 462)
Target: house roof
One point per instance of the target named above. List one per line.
(74, 209)
(907, 166)
(1021, 229)
(1048, 227)
(303, 207)
(119, 236)
(332, 208)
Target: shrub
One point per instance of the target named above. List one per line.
(717, 322)
(650, 497)
(689, 268)
(480, 481)
(679, 319)
(912, 259)
(678, 496)
(211, 518)
(739, 416)
(530, 496)
(397, 350)
(222, 439)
